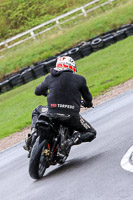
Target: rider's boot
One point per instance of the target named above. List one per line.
(78, 138)
(75, 139)
(87, 137)
(30, 140)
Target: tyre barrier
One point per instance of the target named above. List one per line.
(108, 39)
(81, 50)
(28, 75)
(23, 69)
(75, 53)
(39, 70)
(125, 26)
(63, 54)
(129, 31)
(50, 64)
(97, 44)
(85, 49)
(7, 76)
(5, 86)
(16, 80)
(120, 35)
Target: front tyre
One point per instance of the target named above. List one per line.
(38, 163)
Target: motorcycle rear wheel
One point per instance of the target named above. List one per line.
(38, 162)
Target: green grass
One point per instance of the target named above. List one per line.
(19, 15)
(16, 107)
(108, 67)
(102, 69)
(56, 41)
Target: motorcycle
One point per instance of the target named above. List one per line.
(51, 146)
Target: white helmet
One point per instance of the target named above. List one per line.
(66, 63)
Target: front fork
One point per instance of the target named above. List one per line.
(58, 145)
(63, 142)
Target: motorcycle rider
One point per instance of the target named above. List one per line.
(64, 89)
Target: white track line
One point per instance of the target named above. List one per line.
(125, 164)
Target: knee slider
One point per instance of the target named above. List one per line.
(92, 136)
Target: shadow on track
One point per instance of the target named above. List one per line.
(71, 165)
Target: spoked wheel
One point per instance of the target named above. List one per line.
(42, 164)
(38, 162)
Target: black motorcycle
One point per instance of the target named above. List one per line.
(51, 146)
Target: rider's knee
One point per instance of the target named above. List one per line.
(88, 136)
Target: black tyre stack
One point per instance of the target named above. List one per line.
(85, 49)
(5, 86)
(28, 75)
(39, 70)
(129, 30)
(16, 80)
(108, 39)
(50, 63)
(81, 50)
(75, 53)
(97, 44)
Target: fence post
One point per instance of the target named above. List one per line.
(58, 24)
(32, 35)
(111, 1)
(6, 44)
(55, 20)
(83, 11)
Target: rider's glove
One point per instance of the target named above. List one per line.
(85, 104)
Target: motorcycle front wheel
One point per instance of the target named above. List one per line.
(38, 162)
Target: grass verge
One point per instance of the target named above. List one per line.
(56, 41)
(103, 69)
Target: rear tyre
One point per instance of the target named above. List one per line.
(38, 163)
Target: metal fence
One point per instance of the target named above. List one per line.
(57, 23)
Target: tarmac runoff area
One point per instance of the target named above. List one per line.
(126, 161)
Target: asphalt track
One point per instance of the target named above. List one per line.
(92, 171)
